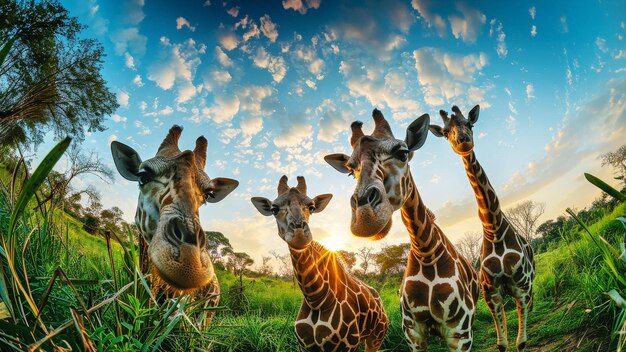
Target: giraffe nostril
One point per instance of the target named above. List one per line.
(372, 197)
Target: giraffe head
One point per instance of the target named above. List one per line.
(172, 187)
(380, 165)
(292, 209)
(457, 129)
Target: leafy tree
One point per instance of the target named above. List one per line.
(617, 159)
(285, 267)
(265, 268)
(524, 217)
(348, 258)
(91, 224)
(392, 259)
(111, 219)
(469, 247)
(238, 262)
(51, 76)
(218, 246)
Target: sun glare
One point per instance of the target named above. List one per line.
(333, 243)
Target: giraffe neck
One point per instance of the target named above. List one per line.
(489, 210)
(317, 272)
(427, 242)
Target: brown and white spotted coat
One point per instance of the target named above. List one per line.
(507, 265)
(172, 187)
(338, 310)
(440, 288)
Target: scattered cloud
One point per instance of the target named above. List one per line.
(532, 12)
(137, 81)
(533, 31)
(275, 65)
(431, 19)
(129, 61)
(443, 76)
(179, 66)
(530, 91)
(182, 22)
(467, 27)
(122, 98)
(129, 40)
(117, 118)
(301, 6)
(222, 57)
(496, 27)
(229, 41)
(601, 44)
(564, 26)
(233, 11)
(269, 28)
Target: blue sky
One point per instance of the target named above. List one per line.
(275, 85)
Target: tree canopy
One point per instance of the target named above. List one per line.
(50, 78)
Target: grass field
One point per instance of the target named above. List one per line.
(572, 310)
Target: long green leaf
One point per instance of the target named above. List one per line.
(5, 50)
(605, 187)
(38, 177)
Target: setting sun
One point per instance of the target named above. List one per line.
(334, 243)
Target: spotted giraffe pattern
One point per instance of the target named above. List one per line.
(339, 312)
(440, 288)
(172, 187)
(507, 263)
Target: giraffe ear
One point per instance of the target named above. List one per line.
(263, 205)
(321, 202)
(220, 187)
(126, 160)
(338, 161)
(417, 132)
(436, 130)
(473, 114)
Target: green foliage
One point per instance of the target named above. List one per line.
(51, 75)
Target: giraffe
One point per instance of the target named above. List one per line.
(507, 265)
(338, 310)
(440, 288)
(172, 187)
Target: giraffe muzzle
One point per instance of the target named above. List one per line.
(177, 232)
(371, 197)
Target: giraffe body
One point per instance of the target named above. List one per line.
(172, 187)
(440, 288)
(507, 263)
(339, 312)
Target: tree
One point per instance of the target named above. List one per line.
(469, 247)
(218, 246)
(285, 267)
(265, 268)
(348, 258)
(111, 220)
(392, 259)
(524, 216)
(238, 262)
(51, 76)
(617, 159)
(366, 255)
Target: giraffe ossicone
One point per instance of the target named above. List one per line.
(338, 310)
(507, 264)
(172, 187)
(440, 288)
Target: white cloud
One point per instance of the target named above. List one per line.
(533, 31)
(301, 5)
(269, 28)
(601, 44)
(251, 126)
(533, 12)
(467, 27)
(252, 99)
(530, 91)
(129, 61)
(311, 84)
(137, 81)
(444, 77)
(564, 26)
(112, 138)
(331, 121)
(228, 41)
(215, 77)
(307, 54)
(117, 118)
(182, 22)
(298, 133)
(233, 11)
(274, 64)
(179, 65)
(432, 19)
(132, 11)
(496, 27)
(222, 57)
(122, 99)
(225, 108)
(129, 39)
(253, 32)
(620, 55)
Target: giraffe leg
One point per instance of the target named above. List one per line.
(459, 340)
(523, 304)
(374, 341)
(415, 334)
(495, 303)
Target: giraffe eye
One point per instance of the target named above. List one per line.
(311, 208)
(275, 209)
(401, 155)
(144, 176)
